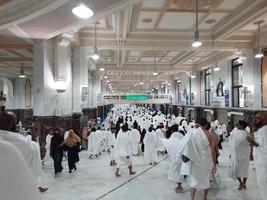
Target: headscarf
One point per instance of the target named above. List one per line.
(72, 139)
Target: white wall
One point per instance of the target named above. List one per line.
(251, 78)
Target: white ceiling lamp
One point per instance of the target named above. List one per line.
(155, 73)
(95, 55)
(101, 69)
(259, 54)
(197, 42)
(107, 81)
(179, 80)
(82, 11)
(141, 83)
(216, 68)
(22, 75)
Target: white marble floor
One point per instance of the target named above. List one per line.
(95, 180)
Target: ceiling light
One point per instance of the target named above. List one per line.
(162, 86)
(22, 75)
(178, 81)
(141, 83)
(197, 42)
(105, 77)
(216, 69)
(259, 54)
(107, 81)
(193, 76)
(101, 69)
(95, 55)
(82, 11)
(155, 73)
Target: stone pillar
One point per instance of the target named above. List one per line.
(52, 78)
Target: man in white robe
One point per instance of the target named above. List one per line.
(94, 144)
(172, 146)
(260, 142)
(47, 146)
(199, 150)
(16, 180)
(29, 148)
(135, 140)
(159, 136)
(123, 151)
(240, 151)
(111, 144)
(150, 143)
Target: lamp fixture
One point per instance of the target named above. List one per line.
(197, 42)
(155, 73)
(105, 76)
(101, 69)
(216, 68)
(82, 11)
(95, 55)
(179, 81)
(141, 83)
(22, 75)
(259, 54)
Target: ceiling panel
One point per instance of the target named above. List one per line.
(145, 17)
(175, 20)
(253, 27)
(153, 3)
(230, 4)
(134, 53)
(212, 19)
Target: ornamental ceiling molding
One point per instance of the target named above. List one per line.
(190, 4)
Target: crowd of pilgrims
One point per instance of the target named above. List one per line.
(137, 131)
(193, 148)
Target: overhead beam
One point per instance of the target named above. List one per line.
(16, 46)
(166, 45)
(15, 59)
(246, 14)
(161, 13)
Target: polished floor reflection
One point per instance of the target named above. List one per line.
(95, 179)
